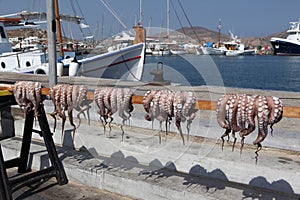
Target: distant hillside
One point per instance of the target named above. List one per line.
(27, 32)
(206, 35)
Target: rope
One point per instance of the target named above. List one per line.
(129, 69)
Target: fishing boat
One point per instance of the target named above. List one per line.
(290, 45)
(125, 63)
(211, 49)
(236, 48)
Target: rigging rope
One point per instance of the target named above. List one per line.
(189, 21)
(178, 17)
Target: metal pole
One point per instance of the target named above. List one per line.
(51, 32)
(141, 12)
(168, 18)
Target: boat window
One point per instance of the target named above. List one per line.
(28, 64)
(2, 33)
(3, 65)
(292, 33)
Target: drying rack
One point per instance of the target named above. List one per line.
(10, 185)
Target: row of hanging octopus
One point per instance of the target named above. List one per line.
(67, 97)
(164, 104)
(235, 112)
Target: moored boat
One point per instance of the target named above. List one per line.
(290, 45)
(236, 47)
(212, 50)
(125, 63)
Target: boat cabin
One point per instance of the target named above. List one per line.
(5, 45)
(294, 31)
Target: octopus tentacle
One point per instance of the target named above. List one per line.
(189, 110)
(227, 108)
(148, 103)
(162, 111)
(69, 107)
(99, 100)
(276, 111)
(262, 118)
(178, 104)
(221, 111)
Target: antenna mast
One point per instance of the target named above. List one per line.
(219, 35)
(141, 13)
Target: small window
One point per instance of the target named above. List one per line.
(2, 33)
(28, 64)
(3, 65)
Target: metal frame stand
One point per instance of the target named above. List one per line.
(10, 185)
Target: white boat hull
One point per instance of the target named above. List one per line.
(239, 53)
(212, 51)
(126, 63)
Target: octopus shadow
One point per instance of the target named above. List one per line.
(117, 161)
(157, 170)
(199, 176)
(277, 189)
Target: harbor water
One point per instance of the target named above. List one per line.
(255, 72)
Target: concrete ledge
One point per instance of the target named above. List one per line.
(125, 175)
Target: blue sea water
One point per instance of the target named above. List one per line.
(256, 72)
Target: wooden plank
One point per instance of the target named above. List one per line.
(206, 105)
(291, 112)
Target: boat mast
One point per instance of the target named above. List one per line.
(168, 18)
(219, 35)
(59, 36)
(141, 13)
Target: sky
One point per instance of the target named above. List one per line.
(246, 18)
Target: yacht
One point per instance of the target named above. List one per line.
(290, 45)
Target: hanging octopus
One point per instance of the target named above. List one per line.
(227, 109)
(237, 112)
(113, 100)
(80, 102)
(66, 98)
(28, 95)
(162, 105)
(189, 110)
(147, 104)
